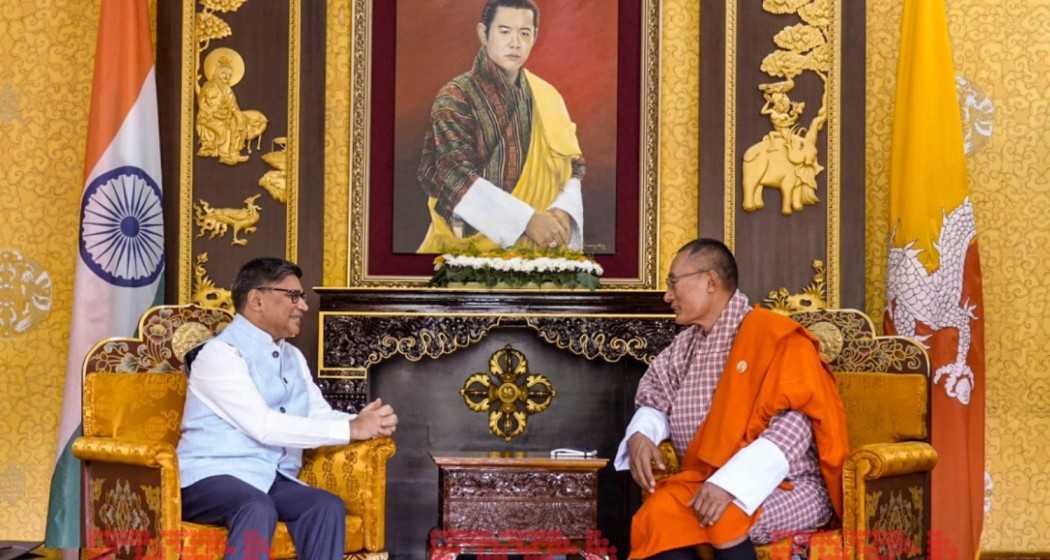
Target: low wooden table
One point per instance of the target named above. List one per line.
(517, 503)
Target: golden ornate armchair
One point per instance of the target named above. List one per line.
(884, 383)
(134, 390)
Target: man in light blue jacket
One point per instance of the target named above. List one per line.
(251, 408)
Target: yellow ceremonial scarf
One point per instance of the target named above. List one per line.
(548, 165)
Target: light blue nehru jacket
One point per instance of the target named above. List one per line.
(211, 446)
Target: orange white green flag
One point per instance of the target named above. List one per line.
(933, 282)
(120, 257)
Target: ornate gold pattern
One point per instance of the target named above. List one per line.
(25, 293)
(216, 221)
(787, 157)
(275, 180)
(896, 523)
(45, 80)
(197, 33)
(508, 392)
(336, 145)
(151, 494)
(206, 293)
(223, 128)
(609, 339)
(861, 350)
(121, 516)
(679, 129)
(1012, 229)
(828, 16)
(360, 88)
(153, 350)
(812, 297)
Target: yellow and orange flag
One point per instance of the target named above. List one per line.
(933, 282)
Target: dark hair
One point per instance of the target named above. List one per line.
(489, 11)
(719, 257)
(261, 272)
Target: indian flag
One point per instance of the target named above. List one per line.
(933, 285)
(121, 239)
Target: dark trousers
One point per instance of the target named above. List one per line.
(316, 519)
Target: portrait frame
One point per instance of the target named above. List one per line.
(371, 261)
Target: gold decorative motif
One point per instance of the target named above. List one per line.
(216, 221)
(211, 26)
(274, 181)
(153, 350)
(224, 130)
(98, 484)
(830, 338)
(741, 366)
(187, 337)
(25, 293)
(122, 518)
(897, 528)
(679, 128)
(152, 494)
(197, 32)
(812, 297)
(860, 349)
(206, 293)
(786, 158)
(508, 392)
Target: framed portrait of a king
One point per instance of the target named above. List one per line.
(488, 124)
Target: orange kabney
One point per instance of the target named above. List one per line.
(774, 366)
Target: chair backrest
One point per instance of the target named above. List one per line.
(884, 380)
(135, 388)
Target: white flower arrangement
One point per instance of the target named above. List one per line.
(518, 268)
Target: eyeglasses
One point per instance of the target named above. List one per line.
(293, 295)
(672, 280)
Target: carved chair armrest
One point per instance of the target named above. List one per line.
(357, 474)
(124, 460)
(891, 481)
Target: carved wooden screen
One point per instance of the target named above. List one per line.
(782, 145)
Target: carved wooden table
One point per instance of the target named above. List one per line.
(517, 503)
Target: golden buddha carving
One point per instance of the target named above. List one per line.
(224, 130)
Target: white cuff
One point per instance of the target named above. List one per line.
(570, 199)
(494, 212)
(652, 424)
(752, 474)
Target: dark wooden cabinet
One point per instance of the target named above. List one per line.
(415, 348)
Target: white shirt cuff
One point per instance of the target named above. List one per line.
(752, 474)
(570, 199)
(494, 212)
(652, 424)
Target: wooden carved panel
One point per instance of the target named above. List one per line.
(572, 519)
(481, 484)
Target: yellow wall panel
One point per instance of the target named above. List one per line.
(45, 90)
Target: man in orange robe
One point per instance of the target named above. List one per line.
(749, 407)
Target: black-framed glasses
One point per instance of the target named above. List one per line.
(294, 295)
(672, 280)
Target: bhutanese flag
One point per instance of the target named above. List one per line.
(933, 284)
(121, 239)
